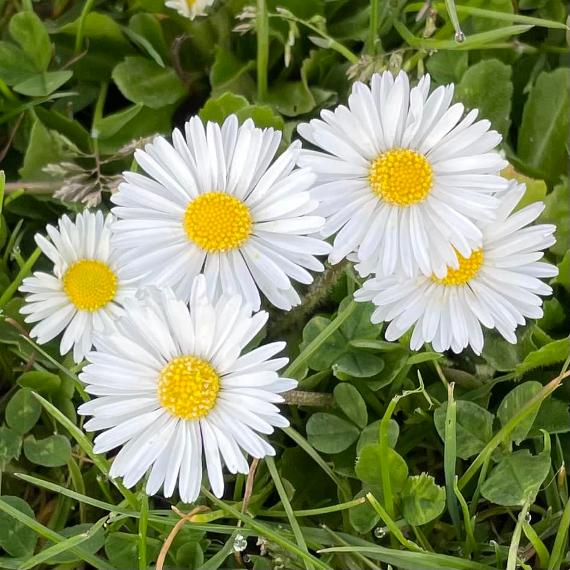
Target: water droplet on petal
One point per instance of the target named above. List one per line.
(240, 543)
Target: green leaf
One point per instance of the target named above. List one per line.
(547, 355)
(44, 147)
(17, 539)
(371, 433)
(516, 478)
(352, 404)
(15, 64)
(28, 30)
(553, 417)
(535, 189)
(40, 381)
(564, 271)
(358, 364)
(422, 500)
(23, 411)
(363, 518)
(474, 427)
(512, 403)
(291, 98)
(143, 81)
(421, 357)
(557, 211)
(10, 445)
(51, 451)
(368, 467)
(122, 549)
(544, 129)
(43, 84)
(330, 434)
(487, 86)
(447, 66)
(145, 31)
(190, 555)
(231, 74)
(112, 124)
(91, 545)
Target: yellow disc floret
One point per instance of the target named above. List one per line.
(90, 284)
(468, 268)
(217, 222)
(401, 177)
(188, 387)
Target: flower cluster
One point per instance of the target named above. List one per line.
(163, 295)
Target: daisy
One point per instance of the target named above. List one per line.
(190, 8)
(84, 292)
(215, 203)
(173, 382)
(402, 177)
(497, 286)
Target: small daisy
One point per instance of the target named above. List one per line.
(497, 286)
(171, 382)
(190, 8)
(402, 178)
(84, 292)
(217, 204)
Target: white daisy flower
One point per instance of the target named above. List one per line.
(402, 178)
(497, 286)
(171, 382)
(189, 8)
(84, 292)
(215, 204)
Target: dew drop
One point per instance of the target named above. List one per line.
(527, 518)
(240, 543)
(459, 37)
(380, 532)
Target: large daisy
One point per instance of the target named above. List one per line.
(189, 8)
(215, 202)
(174, 383)
(85, 289)
(402, 177)
(498, 286)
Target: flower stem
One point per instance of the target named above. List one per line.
(373, 29)
(262, 29)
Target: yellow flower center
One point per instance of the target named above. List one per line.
(190, 3)
(468, 268)
(90, 284)
(188, 387)
(401, 177)
(217, 222)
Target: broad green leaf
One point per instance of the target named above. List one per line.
(474, 427)
(363, 517)
(72, 129)
(535, 189)
(564, 271)
(15, 64)
(291, 98)
(511, 405)
(219, 108)
(51, 451)
(358, 364)
(505, 356)
(553, 417)
(262, 115)
(422, 500)
(543, 133)
(352, 404)
(190, 555)
(145, 31)
(122, 549)
(371, 433)
(10, 445)
(557, 211)
(143, 81)
(368, 467)
(447, 66)
(43, 84)
(330, 434)
(112, 124)
(44, 147)
(40, 381)
(23, 411)
(547, 355)
(516, 478)
(487, 86)
(91, 545)
(28, 30)
(17, 539)
(231, 74)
